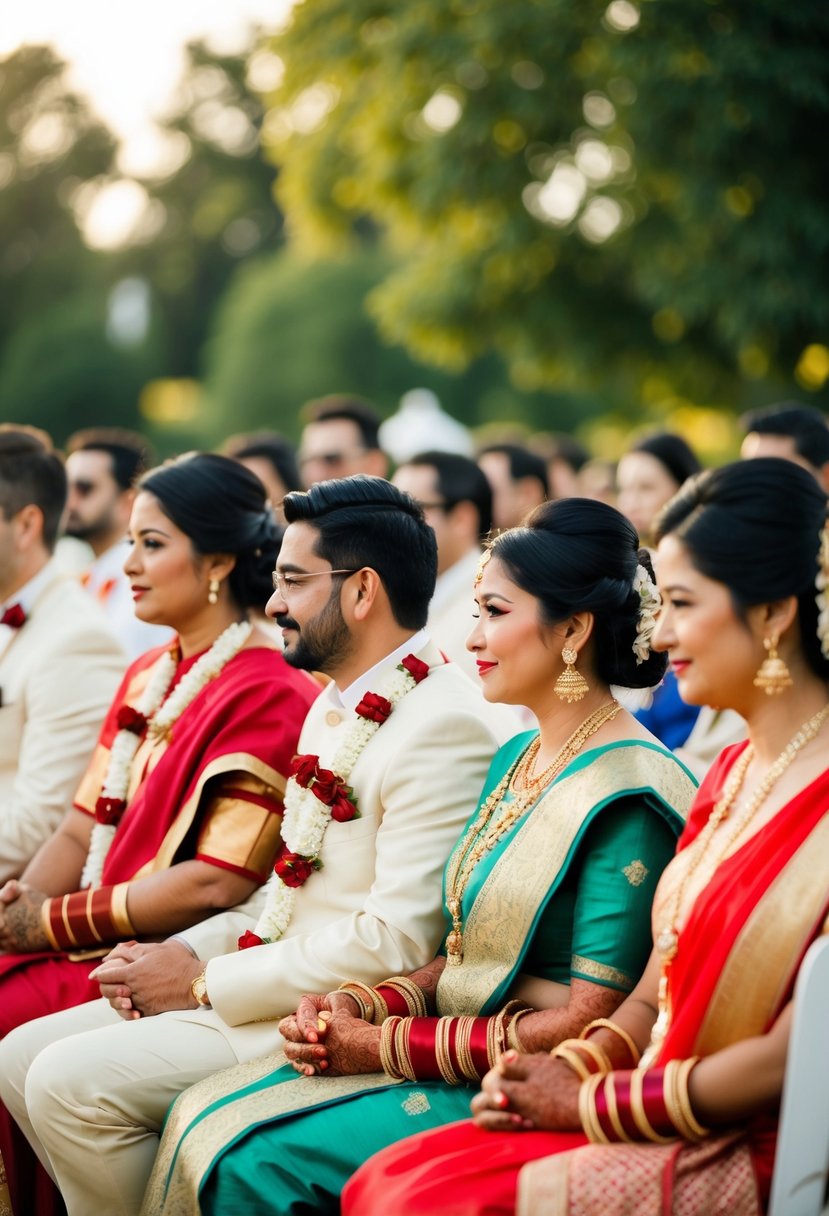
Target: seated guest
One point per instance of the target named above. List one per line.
(733, 915)
(648, 476)
(59, 663)
(271, 457)
(102, 467)
(457, 504)
(548, 896)
(792, 431)
(518, 478)
(392, 754)
(180, 810)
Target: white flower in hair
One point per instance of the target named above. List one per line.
(650, 603)
(822, 598)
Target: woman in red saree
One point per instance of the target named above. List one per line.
(179, 813)
(691, 1128)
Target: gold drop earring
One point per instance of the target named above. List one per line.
(773, 675)
(213, 591)
(571, 684)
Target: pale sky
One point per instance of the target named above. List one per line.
(127, 58)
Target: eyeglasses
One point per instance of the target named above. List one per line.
(286, 583)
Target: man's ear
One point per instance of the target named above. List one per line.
(361, 591)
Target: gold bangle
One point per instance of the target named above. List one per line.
(388, 1058)
(442, 1052)
(118, 910)
(513, 1040)
(414, 996)
(635, 1053)
(613, 1109)
(637, 1110)
(596, 1053)
(573, 1060)
(587, 1109)
(675, 1094)
(401, 1040)
(463, 1039)
(46, 924)
(364, 997)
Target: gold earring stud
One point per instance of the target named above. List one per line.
(571, 684)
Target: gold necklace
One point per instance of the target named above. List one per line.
(486, 830)
(667, 940)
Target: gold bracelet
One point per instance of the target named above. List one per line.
(463, 1038)
(414, 996)
(635, 1053)
(675, 1094)
(365, 997)
(388, 1059)
(637, 1110)
(573, 1059)
(513, 1040)
(587, 1109)
(404, 1055)
(442, 1052)
(613, 1109)
(46, 925)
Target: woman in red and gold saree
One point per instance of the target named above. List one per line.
(179, 813)
(692, 1127)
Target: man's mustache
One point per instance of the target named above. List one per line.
(286, 622)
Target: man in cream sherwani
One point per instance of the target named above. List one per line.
(59, 663)
(356, 572)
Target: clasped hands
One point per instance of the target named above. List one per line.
(327, 1036)
(528, 1093)
(20, 925)
(144, 978)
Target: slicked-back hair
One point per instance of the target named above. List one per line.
(522, 463)
(220, 505)
(580, 555)
(270, 446)
(804, 424)
(755, 526)
(459, 479)
(32, 473)
(672, 452)
(352, 409)
(366, 521)
(129, 452)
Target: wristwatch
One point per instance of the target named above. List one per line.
(199, 990)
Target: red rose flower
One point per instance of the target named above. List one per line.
(374, 707)
(304, 769)
(131, 719)
(14, 617)
(249, 939)
(109, 810)
(326, 785)
(293, 868)
(342, 808)
(416, 668)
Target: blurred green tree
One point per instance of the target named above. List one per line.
(617, 195)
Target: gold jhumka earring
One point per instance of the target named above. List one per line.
(773, 675)
(213, 591)
(571, 684)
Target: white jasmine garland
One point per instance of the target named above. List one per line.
(306, 818)
(822, 599)
(161, 714)
(650, 603)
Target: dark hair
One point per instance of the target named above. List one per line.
(805, 424)
(580, 555)
(366, 521)
(129, 452)
(522, 463)
(32, 473)
(672, 452)
(270, 446)
(352, 409)
(221, 506)
(459, 480)
(755, 526)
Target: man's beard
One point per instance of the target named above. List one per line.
(323, 643)
(79, 530)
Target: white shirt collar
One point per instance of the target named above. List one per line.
(370, 680)
(29, 593)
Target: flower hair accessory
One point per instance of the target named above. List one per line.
(649, 604)
(156, 712)
(822, 583)
(315, 795)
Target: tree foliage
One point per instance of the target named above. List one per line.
(630, 197)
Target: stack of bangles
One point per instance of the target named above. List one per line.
(92, 917)
(633, 1105)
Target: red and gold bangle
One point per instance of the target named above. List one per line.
(677, 1101)
(399, 988)
(647, 1105)
(588, 1115)
(87, 918)
(606, 1024)
(371, 1004)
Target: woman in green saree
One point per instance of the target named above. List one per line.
(548, 895)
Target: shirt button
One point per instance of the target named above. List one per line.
(332, 718)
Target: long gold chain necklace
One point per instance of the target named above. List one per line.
(488, 828)
(667, 940)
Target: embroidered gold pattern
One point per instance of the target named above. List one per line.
(600, 971)
(417, 1103)
(636, 873)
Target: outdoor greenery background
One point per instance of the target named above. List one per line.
(558, 215)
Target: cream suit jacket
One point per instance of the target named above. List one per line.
(58, 675)
(375, 907)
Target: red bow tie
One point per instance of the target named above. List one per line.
(14, 617)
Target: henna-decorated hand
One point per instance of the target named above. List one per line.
(534, 1093)
(346, 1046)
(304, 1025)
(20, 926)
